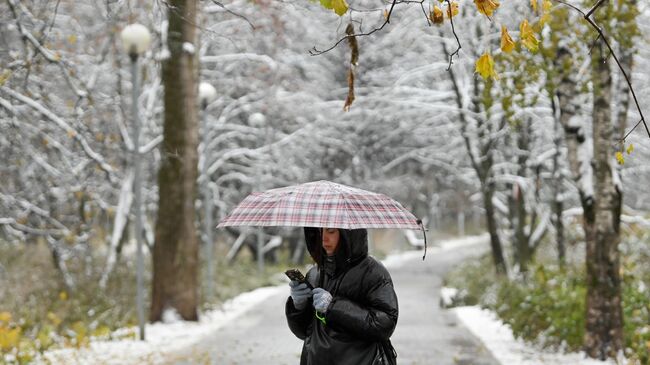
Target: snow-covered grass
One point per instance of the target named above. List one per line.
(508, 350)
(162, 339)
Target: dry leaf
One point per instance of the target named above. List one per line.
(507, 43)
(527, 35)
(486, 7)
(485, 66)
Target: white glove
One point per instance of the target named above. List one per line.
(300, 293)
(322, 300)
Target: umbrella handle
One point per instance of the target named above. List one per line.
(419, 222)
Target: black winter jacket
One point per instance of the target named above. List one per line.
(363, 312)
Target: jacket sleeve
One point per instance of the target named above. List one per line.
(375, 319)
(298, 320)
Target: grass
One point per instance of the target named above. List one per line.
(38, 312)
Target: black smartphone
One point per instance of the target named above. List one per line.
(296, 275)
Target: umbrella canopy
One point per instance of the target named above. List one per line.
(321, 204)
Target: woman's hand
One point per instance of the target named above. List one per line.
(300, 294)
(322, 300)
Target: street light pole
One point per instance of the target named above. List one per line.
(135, 40)
(207, 93)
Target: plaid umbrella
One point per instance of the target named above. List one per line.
(321, 204)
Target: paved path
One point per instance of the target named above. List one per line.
(425, 334)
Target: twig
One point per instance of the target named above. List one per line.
(316, 52)
(56, 11)
(618, 63)
(233, 13)
(426, 16)
(453, 30)
(631, 130)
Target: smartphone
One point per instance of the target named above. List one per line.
(295, 274)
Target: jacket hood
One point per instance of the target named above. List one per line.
(353, 246)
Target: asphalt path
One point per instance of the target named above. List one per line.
(425, 334)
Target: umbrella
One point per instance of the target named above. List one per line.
(321, 204)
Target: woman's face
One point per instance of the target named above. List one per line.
(331, 237)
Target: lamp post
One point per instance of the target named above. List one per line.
(207, 94)
(135, 41)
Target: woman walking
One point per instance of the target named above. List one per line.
(352, 312)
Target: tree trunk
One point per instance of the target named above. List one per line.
(558, 201)
(495, 241)
(175, 254)
(604, 322)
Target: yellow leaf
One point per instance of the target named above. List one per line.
(507, 43)
(63, 295)
(630, 149)
(527, 35)
(340, 7)
(72, 39)
(327, 4)
(5, 317)
(72, 133)
(386, 13)
(453, 10)
(9, 338)
(546, 6)
(533, 3)
(485, 66)
(436, 15)
(619, 158)
(486, 7)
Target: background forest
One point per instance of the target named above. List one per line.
(537, 154)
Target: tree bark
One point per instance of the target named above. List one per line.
(482, 164)
(175, 253)
(604, 321)
(495, 241)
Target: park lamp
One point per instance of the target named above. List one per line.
(135, 40)
(207, 94)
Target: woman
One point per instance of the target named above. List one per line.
(350, 315)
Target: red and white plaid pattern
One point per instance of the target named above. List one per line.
(320, 204)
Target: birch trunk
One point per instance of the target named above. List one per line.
(604, 321)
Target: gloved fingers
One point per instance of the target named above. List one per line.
(301, 293)
(319, 291)
(295, 285)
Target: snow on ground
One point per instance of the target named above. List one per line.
(498, 338)
(398, 259)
